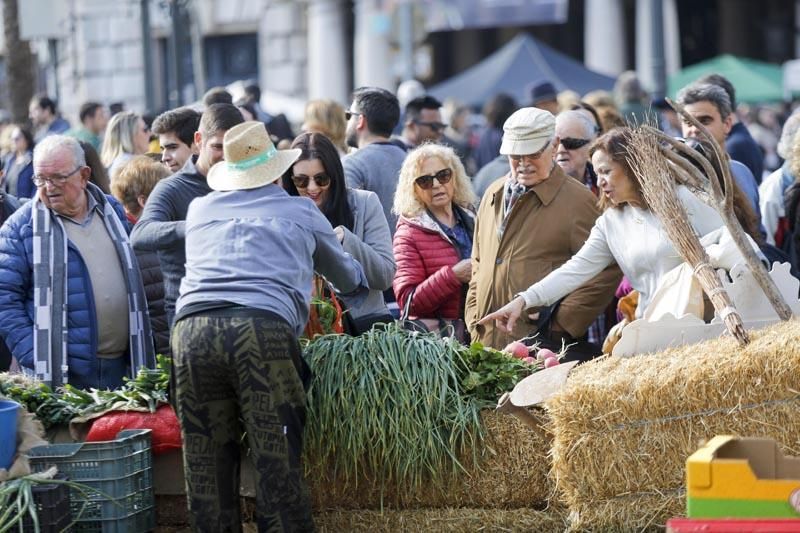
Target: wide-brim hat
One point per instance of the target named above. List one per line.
(527, 131)
(251, 160)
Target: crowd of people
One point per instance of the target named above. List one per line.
(203, 232)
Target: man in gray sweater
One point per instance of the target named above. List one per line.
(161, 227)
(376, 165)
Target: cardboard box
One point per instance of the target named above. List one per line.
(733, 477)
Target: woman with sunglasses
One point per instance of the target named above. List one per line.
(576, 132)
(356, 216)
(433, 242)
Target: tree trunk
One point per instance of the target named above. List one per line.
(19, 64)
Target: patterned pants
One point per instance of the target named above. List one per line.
(240, 370)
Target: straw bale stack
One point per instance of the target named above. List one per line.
(512, 473)
(623, 428)
(436, 520)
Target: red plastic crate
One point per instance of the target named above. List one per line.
(733, 525)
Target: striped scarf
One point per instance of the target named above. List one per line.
(50, 272)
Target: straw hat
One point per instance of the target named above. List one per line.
(527, 131)
(251, 159)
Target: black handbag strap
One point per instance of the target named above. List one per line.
(407, 306)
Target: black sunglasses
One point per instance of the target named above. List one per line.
(435, 126)
(426, 182)
(301, 182)
(349, 114)
(571, 143)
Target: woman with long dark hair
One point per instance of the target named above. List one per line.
(356, 216)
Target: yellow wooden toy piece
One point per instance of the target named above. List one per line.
(742, 477)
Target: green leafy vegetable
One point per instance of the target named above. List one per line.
(488, 373)
(149, 389)
(38, 399)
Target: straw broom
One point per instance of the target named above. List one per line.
(709, 190)
(658, 188)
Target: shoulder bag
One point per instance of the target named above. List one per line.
(444, 327)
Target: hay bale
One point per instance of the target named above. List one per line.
(435, 520)
(623, 428)
(550, 520)
(512, 473)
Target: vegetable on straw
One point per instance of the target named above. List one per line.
(405, 417)
(401, 407)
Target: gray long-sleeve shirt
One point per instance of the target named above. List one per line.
(370, 243)
(161, 228)
(376, 168)
(259, 248)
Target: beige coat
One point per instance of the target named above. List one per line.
(547, 225)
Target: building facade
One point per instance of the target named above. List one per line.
(127, 50)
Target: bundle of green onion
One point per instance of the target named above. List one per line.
(389, 404)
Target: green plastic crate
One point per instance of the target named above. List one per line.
(120, 469)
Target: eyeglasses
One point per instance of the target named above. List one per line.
(301, 182)
(426, 182)
(571, 143)
(517, 158)
(435, 126)
(349, 114)
(39, 181)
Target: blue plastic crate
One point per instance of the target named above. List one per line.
(119, 488)
(135, 523)
(131, 495)
(120, 471)
(127, 454)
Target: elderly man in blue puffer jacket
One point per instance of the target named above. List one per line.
(72, 304)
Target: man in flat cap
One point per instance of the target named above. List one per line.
(530, 222)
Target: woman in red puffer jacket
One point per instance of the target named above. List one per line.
(433, 242)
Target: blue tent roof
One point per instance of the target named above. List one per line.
(513, 67)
